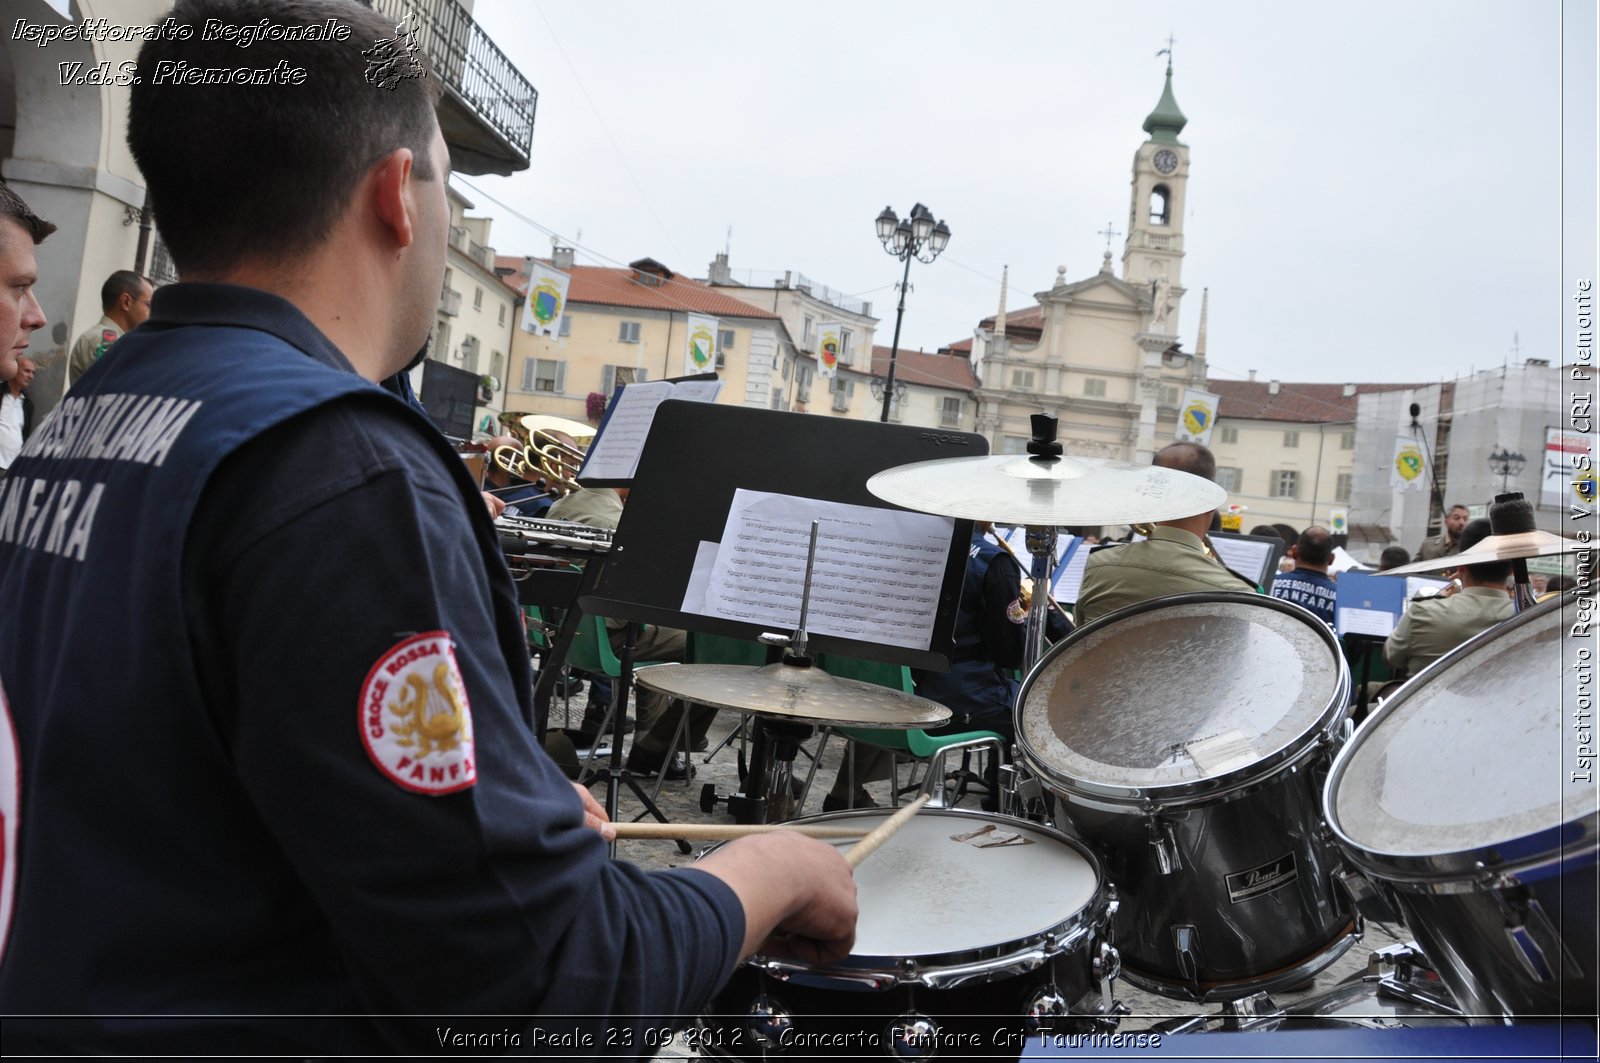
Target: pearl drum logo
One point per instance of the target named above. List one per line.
(415, 720)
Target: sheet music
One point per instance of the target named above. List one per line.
(1244, 557)
(614, 454)
(876, 579)
(1365, 622)
(1072, 553)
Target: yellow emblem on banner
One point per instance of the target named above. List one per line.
(1197, 418)
(1408, 463)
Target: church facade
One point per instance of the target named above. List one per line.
(1102, 354)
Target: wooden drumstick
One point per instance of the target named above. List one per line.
(869, 845)
(717, 832)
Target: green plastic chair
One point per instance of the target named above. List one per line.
(914, 742)
(591, 651)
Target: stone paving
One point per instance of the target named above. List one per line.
(681, 803)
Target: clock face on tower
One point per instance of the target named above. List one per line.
(1166, 160)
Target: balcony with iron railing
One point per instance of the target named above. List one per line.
(450, 302)
(488, 106)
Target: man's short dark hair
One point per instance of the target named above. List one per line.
(1314, 546)
(1455, 507)
(12, 206)
(1491, 571)
(1188, 457)
(239, 170)
(1393, 557)
(122, 282)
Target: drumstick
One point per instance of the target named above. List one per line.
(716, 832)
(869, 845)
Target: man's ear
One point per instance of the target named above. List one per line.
(386, 187)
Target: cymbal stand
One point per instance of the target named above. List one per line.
(774, 743)
(1510, 514)
(1041, 542)
(617, 774)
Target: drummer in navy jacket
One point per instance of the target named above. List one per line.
(265, 683)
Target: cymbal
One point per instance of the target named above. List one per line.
(1492, 548)
(1016, 489)
(792, 691)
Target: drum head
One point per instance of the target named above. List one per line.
(1475, 752)
(1181, 696)
(925, 894)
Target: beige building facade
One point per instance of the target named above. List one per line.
(623, 325)
(1102, 354)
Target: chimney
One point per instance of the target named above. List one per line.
(1349, 390)
(561, 258)
(1272, 387)
(719, 272)
(1252, 376)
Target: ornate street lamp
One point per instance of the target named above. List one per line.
(917, 236)
(1506, 464)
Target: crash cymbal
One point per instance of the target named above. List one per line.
(1018, 489)
(1492, 548)
(795, 692)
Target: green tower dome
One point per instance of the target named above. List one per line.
(1166, 121)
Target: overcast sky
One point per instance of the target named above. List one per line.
(1375, 188)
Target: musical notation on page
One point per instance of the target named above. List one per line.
(877, 574)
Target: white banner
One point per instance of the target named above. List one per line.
(546, 301)
(1565, 481)
(1197, 416)
(1409, 469)
(700, 353)
(1338, 521)
(828, 342)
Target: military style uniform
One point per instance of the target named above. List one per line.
(89, 349)
(271, 768)
(1171, 561)
(1440, 545)
(1433, 627)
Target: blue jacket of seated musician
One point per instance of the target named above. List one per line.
(204, 553)
(980, 688)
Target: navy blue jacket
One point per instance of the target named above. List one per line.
(207, 552)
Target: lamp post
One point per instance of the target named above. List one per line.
(1506, 464)
(917, 236)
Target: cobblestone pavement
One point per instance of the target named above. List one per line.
(680, 802)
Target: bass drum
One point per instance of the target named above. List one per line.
(1469, 799)
(1185, 739)
(963, 947)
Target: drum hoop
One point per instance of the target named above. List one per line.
(1323, 731)
(1462, 870)
(940, 970)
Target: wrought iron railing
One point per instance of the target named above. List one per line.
(471, 65)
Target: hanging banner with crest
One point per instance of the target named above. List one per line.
(1409, 468)
(700, 355)
(546, 301)
(829, 339)
(1197, 416)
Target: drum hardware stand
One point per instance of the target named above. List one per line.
(1258, 1011)
(617, 775)
(1402, 972)
(785, 736)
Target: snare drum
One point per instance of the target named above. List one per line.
(1467, 800)
(1181, 737)
(963, 946)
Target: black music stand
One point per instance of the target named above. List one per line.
(675, 505)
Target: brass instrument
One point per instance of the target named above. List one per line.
(1027, 582)
(552, 448)
(1146, 529)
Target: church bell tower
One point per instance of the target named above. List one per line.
(1152, 257)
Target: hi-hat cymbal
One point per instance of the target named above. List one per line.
(1017, 489)
(791, 691)
(1492, 548)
